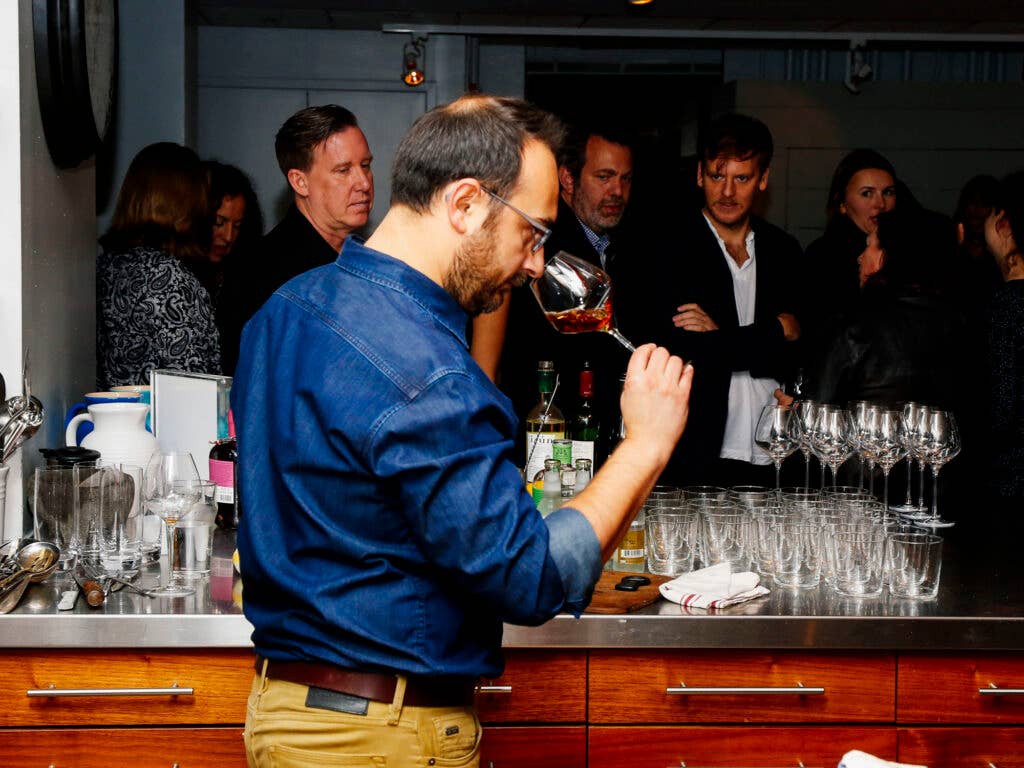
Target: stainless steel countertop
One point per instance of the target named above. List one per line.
(980, 607)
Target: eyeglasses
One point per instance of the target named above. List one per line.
(541, 233)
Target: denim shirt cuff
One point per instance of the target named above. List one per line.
(577, 554)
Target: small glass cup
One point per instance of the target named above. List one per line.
(798, 552)
(858, 562)
(914, 565)
(671, 534)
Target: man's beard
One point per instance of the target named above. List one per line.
(472, 281)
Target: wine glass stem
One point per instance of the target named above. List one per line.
(823, 475)
(885, 486)
(165, 580)
(871, 478)
(910, 468)
(778, 479)
(920, 487)
(860, 483)
(622, 339)
(807, 469)
(935, 492)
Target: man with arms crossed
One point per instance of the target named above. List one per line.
(323, 154)
(729, 290)
(388, 533)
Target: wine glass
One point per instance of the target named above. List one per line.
(576, 297)
(911, 421)
(775, 435)
(862, 411)
(940, 443)
(832, 439)
(171, 486)
(805, 412)
(886, 441)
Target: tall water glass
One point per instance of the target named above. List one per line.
(54, 511)
(724, 536)
(193, 536)
(120, 521)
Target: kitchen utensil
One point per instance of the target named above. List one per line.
(13, 596)
(37, 560)
(94, 594)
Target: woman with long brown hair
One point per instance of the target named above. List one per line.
(152, 311)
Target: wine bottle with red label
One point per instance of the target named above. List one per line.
(224, 472)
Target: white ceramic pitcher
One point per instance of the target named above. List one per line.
(119, 433)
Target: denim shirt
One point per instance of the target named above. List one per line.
(386, 526)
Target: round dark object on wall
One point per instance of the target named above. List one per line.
(76, 74)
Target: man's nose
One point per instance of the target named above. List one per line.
(615, 186)
(364, 179)
(730, 187)
(534, 264)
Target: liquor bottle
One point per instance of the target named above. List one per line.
(584, 472)
(585, 428)
(224, 472)
(547, 489)
(544, 423)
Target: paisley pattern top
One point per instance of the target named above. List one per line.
(152, 312)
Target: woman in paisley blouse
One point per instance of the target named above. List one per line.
(152, 311)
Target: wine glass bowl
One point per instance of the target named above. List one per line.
(576, 297)
(938, 443)
(171, 485)
(832, 437)
(776, 435)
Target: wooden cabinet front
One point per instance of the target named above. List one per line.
(537, 686)
(977, 747)
(651, 687)
(137, 747)
(220, 682)
(534, 747)
(983, 688)
(658, 747)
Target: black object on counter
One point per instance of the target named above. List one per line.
(69, 456)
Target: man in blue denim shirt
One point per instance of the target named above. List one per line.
(387, 533)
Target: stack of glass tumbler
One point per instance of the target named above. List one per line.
(793, 538)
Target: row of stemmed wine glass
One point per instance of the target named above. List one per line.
(876, 433)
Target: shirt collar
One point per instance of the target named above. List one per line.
(749, 240)
(598, 242)
(385, 270)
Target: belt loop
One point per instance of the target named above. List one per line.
(395, 710)
(263, 675)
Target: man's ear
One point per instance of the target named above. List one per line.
(762, 185)
(566, 181)
(465, 202)
(298, 182)
(700, 175)
(960, 233)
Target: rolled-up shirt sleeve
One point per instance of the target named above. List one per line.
(577, 554)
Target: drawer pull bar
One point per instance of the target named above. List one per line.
(799, 690)
(494, 689)
(993, 690)
(54, 692)
(682, 764)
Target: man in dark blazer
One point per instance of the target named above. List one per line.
(725, 299)
(595, 173)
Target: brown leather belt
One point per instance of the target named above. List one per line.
(419, 691)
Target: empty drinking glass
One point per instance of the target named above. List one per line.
(798, 552)
(914, 565)
(859, 561)
(671, 539)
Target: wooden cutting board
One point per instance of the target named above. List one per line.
(607, 599)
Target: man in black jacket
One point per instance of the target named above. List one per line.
(724, 298)
(595, 174)
(324, 156)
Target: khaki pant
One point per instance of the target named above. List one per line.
(281, 731)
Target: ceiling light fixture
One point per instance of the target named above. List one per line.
(640, 2)
(412, 61)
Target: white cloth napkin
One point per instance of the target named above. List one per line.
(713, 587)
(858, 759)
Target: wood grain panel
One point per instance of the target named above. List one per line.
(547, 686)
(962, 747)
(137, 747)
(661, 746)
(943, 688)
(221, 680)
(629, 686)
(534, 747)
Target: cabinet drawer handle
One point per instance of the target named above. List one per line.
(682, 764)
(799, 690)
(494, 689)
(54, 692)
(992, 690)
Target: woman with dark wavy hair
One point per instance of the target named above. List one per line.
(152, 311)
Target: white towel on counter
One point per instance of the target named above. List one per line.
(713, 587)
(858, 759)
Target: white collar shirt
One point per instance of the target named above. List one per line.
(747, 395)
